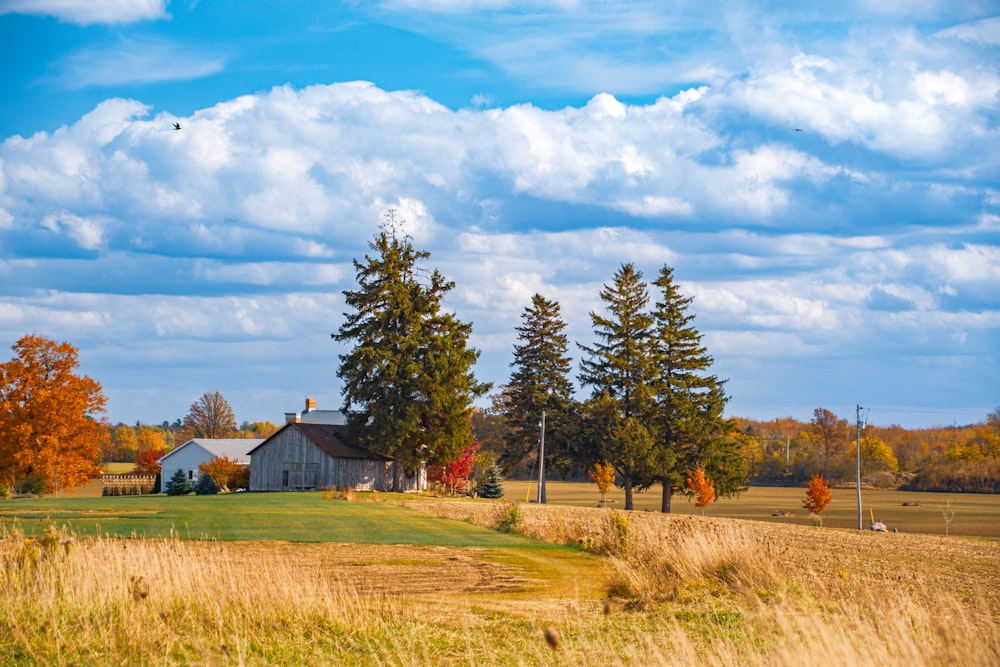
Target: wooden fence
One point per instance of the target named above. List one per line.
(127, 485)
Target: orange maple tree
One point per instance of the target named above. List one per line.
(603, 475)
(702, 487)
(146, 462)
(817, 495)
(49, 428)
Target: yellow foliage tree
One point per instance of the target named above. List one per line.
(263, 429)
(49, 428)
(154, 439)
(603, 475)
(702, 487)
(875, 454)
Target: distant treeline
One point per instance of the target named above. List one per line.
(982, 476)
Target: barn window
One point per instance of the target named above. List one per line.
(284, 479)
(190, 475)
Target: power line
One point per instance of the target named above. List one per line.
(931, 412)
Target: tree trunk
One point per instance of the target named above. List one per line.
(668, 490)
(627, 483)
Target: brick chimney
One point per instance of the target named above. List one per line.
(310, 404)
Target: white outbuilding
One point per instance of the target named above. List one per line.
(194, 452)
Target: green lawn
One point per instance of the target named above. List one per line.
(307, 517)
(294, 517)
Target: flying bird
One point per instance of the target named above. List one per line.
(177, 126)
(796, 129)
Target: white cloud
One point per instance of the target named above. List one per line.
(86, 232)
(913, 108)
(136, 62)
(984, 32)
(88, 12)
(241, 226)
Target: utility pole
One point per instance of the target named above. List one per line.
(541, 463)
(857, 452)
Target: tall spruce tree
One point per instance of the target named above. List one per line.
(691, 431)
(620, 366)
(408, 381)
(539, 381)
(610, 436)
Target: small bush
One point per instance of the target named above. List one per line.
(492, 485)
(33, 485)
(178, 485)
(339, 493)
(206, 486)
(509, 518)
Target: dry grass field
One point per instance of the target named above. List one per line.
(973, 514)
(637, 589)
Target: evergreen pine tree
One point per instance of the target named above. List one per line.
(408, 381)
(206, 486)
(492, 484)
(620, 369)
(539, 381)
(691, 431)
(178, 484)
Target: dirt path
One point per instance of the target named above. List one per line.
(497, 575)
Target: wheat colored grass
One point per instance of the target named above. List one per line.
(680, 591)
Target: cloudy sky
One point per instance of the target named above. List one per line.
(823, 179)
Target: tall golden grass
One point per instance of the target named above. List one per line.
(743, 592)
(685, 592)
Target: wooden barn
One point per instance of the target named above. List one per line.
(303, 456)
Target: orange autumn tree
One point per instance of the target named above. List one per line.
(817, 495)
(702, 487)
(50, 432)
(146, 462)
(225, 472)
(603, 475)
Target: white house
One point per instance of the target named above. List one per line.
(313, 416)
(191, 454)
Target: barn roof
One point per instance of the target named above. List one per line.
(237, 449)
(325, 436)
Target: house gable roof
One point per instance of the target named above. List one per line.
(325, 436)
(237, 449)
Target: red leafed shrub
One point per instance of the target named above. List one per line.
(454, 475)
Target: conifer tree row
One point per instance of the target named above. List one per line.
(655, 413)
(408, 381)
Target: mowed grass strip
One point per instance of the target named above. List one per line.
(292, 517)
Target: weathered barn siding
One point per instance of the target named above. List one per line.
(301, 457)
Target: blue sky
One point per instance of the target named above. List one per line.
(824, 181)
